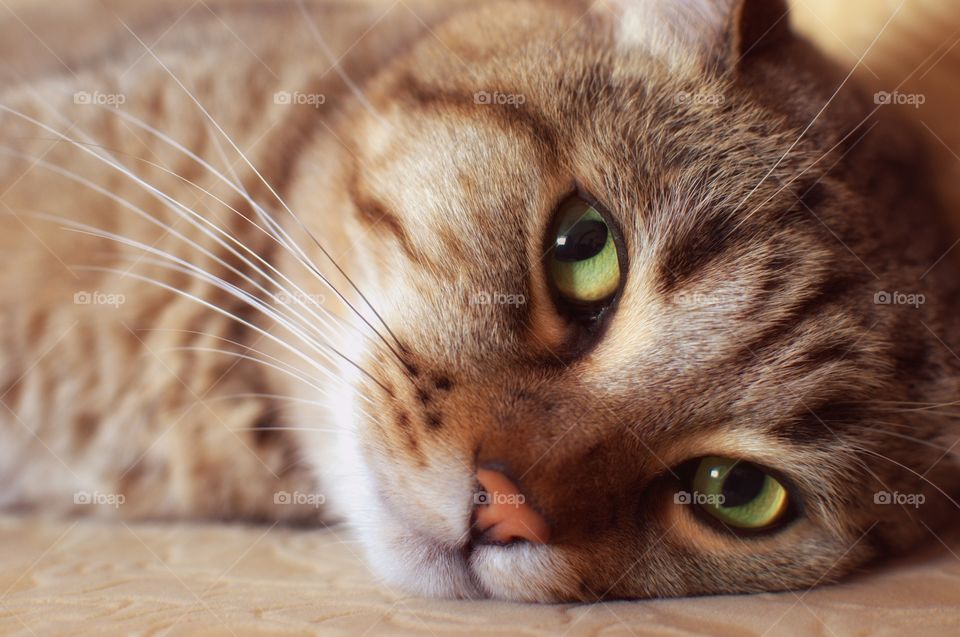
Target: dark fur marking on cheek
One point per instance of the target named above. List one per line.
(412, 370)
(512, 117)
(374, 214)
(912, 358)
(690, 253)
(814, 196)
(434, 421)
(409, 435)
(776, 277)
(819, 425)
(836, 290)
(830, 352)
(442, 383)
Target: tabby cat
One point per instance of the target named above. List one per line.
(547, 300)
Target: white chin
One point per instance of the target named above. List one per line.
(522, 573)
(419, 565)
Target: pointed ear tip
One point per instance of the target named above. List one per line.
(726, 30)
(759, 24)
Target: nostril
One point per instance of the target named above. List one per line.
(502, 513)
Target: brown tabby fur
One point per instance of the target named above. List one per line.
(426, 199)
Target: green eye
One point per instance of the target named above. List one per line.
(738, 493)
(584, 266)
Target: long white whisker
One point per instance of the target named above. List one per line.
(277, 233)
(269, 187)
(226, 352)
(922, 477)
(225, 313)
(825, 106)
(283, 397)
(315, 429)
(191, 217)
(920, 441)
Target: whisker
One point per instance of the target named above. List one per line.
(230, 315)
(267, 311)
(314, 429)
(268, 396)
(816, 117)
(920, 441)
(278, 233)
(247, 357)
(270, 188)
(191, 218)
(905, 467)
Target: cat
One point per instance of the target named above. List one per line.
(547, 300)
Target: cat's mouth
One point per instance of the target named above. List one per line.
(482, 562)
(516, 572)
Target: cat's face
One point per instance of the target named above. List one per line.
(711, 306)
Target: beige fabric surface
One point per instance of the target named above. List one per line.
(85, 577)
(103, 579)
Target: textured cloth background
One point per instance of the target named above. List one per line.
(72, 577)
(94, 578)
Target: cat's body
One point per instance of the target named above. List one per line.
(432, 190)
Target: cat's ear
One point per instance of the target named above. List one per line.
(715, 34)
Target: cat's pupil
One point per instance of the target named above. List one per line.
(742, 485)
(583, 241)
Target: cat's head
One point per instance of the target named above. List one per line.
(630, 262)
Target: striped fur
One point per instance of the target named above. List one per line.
(747, 325)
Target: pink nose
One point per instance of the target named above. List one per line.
(503, 514)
